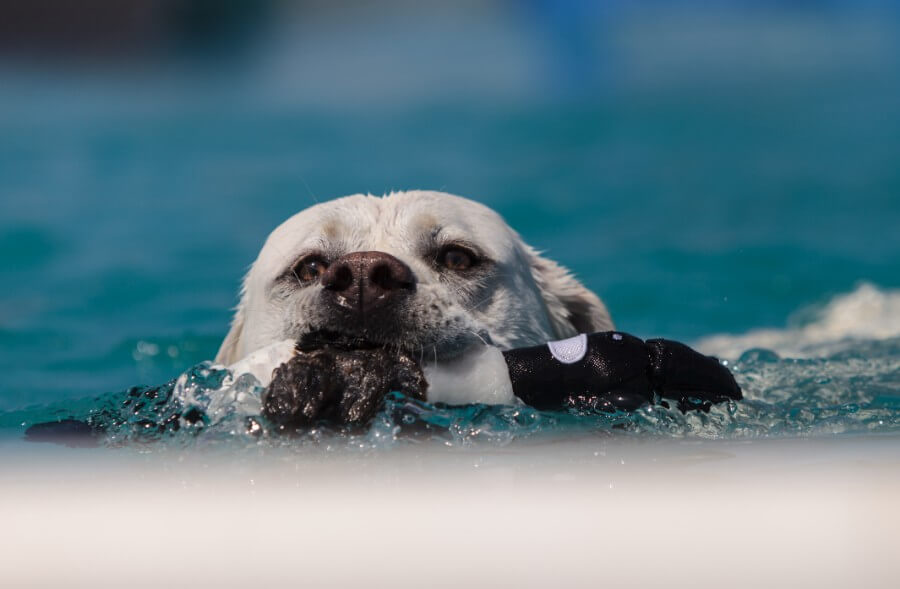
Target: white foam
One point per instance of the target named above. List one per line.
(867, 313)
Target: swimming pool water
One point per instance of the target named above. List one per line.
(704, 211)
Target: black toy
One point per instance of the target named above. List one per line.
(613, 370)
(345, 382)
(339, 385)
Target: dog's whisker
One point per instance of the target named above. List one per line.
(479, 303)
(478, 335)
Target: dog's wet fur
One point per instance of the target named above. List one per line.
(422, 274)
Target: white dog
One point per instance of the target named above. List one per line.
(429, 272)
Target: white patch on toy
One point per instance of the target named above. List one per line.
(569, 351)
(479, 376)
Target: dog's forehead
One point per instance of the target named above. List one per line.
(397, 223)
(412, 216)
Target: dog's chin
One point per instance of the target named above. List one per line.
(428, 347)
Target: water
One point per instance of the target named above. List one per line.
(730, 211)
(854, 389)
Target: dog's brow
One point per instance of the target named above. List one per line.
(331, 228)
(429, 230)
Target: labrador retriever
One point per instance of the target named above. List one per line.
(426, 272)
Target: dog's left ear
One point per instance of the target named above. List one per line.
(573, 309)
(229, 351)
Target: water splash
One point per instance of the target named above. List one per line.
(844, 322)
(853, 391)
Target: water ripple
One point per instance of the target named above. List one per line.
(854, 391)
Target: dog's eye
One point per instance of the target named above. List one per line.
(309, 268)
(456, 258)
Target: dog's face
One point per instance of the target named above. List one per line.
(425, 271)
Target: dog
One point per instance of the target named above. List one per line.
(426, 272)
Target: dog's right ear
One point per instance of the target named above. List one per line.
(229, 350)
(571, 306)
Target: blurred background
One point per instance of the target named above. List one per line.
(706, 167)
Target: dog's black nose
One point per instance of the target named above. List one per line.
(365, 281)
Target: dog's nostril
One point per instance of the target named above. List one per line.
(391, 275)
(340, 278)
(382, 277)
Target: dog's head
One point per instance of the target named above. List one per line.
(425, 271)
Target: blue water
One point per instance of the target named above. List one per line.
(696, 199)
